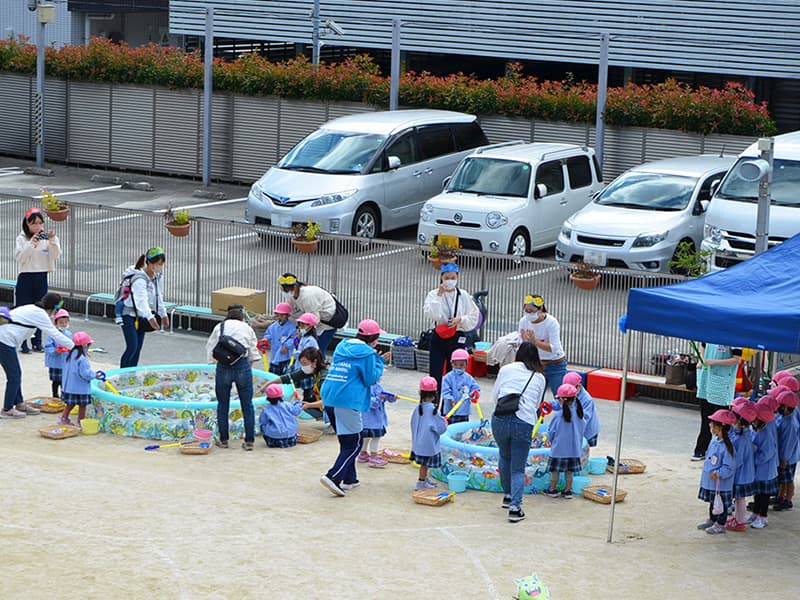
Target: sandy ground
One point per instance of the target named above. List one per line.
(98, 517)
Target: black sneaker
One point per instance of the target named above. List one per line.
(552, 493)
(515, 514)
(506, 502)
(350, 485)
(566, 494)
(332, 486)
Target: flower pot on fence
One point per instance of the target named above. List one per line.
(58, 215)
(440, 260)
(585, 283)
(178, 230)
(305, 246)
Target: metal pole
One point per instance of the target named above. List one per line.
(767, 147)
(315, 33)
(208, 90)
(38, 102)
(624, 383)
(394, 72)
(602, 92)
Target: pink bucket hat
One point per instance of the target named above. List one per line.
(308, 319)
(770, 402)
(282, 308)
(778, 389)
(745, 409)
(427, 384)
(565, 390)
(725, 417)
(764, 413)
(459, 354)
(61, 313)
(369, 327)
(274, 391)
(81, 338)
(791, 383)
(573, 378)
(779, 375)
(787, 399)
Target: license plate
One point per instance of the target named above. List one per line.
(281, 220)
(595, 257)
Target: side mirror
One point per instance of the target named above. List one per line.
(713, 187)
(703, 205)
(539, 191)
(394, 162)
(446, 182)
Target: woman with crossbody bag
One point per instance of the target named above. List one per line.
(512, 426)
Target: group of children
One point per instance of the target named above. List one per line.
(754, 451)
(286, 340)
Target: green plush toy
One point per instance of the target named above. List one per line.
(532, 588)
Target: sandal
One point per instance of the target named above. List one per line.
(247, 446)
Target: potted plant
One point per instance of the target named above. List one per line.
(689, 261)
(584, 277)
(306, 237)
(55, 208)
(177, 222)
(442, 249)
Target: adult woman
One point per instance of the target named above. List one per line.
(543, 331)
(240, 373)
(716, 382)
(36, 253)
(512, 432)
(304, 298)
(454, 313)
(143, 309)
(24, 321)
(308, 379)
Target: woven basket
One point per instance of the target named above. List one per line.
(47, 404)
(423, 360)
(433, 497)
(602, 494)
(393, 455)
(308, 435)
(195, 448)
(628, 466)
(403, 357)
(59, 432)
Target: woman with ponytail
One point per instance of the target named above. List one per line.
(718, 471)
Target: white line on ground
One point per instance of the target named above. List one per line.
(11, 169)
(203, 205)
(384, 253)
(534, 273)
(470, 554)
(111, 219)
(7, 173)
(238, 236)
(86, 191)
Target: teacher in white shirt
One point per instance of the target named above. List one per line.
(543, 331)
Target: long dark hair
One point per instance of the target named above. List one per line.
(424, 395)
(313, 354)
(77, 351)
(528, 355)
(29, 218)
(158, 258)
(566, 404)
(726, 438)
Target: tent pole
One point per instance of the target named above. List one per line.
(625, 359)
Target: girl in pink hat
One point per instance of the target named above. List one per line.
(55, 355)
(78, 375)
(765, 454)
(718, 470)
(280, 339)
(565, 431)
(742, 441)
(427, 426)
(458, 384)
(788, 442)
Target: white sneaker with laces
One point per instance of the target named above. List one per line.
(715, 529)
(423, 484)
(759, 523)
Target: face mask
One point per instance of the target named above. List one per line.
(533, 317)
(450, 284)
(61, 328)
(287, 295)
(282, 320)
(307, 369)
(458, 371)
(302, 331)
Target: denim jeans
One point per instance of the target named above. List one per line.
(10, 362)
(554, 374)
(134, 340)
(242, 375)
(324, 340)
(513, 438)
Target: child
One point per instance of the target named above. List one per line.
(565, 431)
(458, 384)
(744, 475)
(307, 336)
(765, 456)
(718, 470)
(78, 375)
(278, 420)
(308, 380)
(589, 408)
(375, 422)
(55, 355)
(280, 338)
(426, 428)
(787, 449)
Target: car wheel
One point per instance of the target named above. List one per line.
(366, 223)
(520, 244)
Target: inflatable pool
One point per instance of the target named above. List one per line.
(166, 402)
(468, 447)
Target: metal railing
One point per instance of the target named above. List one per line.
(381, 279)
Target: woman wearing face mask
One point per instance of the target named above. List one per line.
(143, 309)
(454, 314)
(541, 329)
(304, 298)
(308, 380)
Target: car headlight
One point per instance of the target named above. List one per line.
(649, 239)
(495, 219)
(566, 231)
(714, 234)
(332, 198)
(426, 212)
(256, 190)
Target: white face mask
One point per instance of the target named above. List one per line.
(301, 331)
(532, 317)
(307, 369)
(450, 284)
(287, 295)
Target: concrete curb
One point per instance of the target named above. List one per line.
(142, 186)
(110, 179)
(41, 171)
(209, 194)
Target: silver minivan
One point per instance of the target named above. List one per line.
(638, 221)
(366, 173)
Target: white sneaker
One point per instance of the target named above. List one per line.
(424, 485)
(350, 486)
(705, 524)
(13, 413)
(750, 518)
(759, 523)
(715, 529)
(331, 486)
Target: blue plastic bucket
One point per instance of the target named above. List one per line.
(597, 466)
(457, 481)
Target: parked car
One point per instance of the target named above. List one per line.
(512, 198)
(730, 231)
(365, 173)
(639, 220)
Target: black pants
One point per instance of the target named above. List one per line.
(440, 352)
(761, 504)
(704, 437)
(31, 287)
(720, 518)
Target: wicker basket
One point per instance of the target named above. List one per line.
(403, 357)
(628, 466)
(47, 404)
(308, 435)
(433, 497)
(196, 448)
(396, 456)
(423, 360)
(59, 432)
(602, 494)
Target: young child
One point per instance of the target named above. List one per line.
(55, 355)
(375, 422)
(458, 384)
(280, 339)
(307, 336)
(78, 375)
(788, 433)
(426, 428)
(765, 458)
(744, 475)
(565, 431)
(589, 409)
(718, 470)
(278, 420)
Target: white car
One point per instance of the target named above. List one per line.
(512, 198)
(638, 221)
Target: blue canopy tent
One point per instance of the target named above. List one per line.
(755, 304)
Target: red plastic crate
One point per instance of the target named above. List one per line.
(476, 368)
(605, 385)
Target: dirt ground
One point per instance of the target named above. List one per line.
(98, 517)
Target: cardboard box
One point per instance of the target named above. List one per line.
(252, 300)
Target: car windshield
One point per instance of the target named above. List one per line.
(649, 191)
(491, 176)
(785, 188)
(326, 151)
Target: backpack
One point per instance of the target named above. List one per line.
(228, 351)
(124, 287)
(340, 315)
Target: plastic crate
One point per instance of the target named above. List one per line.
(403, 357)
(423, 360)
